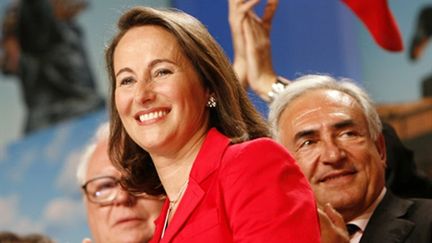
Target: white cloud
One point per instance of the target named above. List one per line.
(53, 151)
(66, 180)
(64, 212)
(8, 210)
(59, 215)
(17, 173)
(3, 153)
(11, 218)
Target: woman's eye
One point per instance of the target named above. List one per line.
(126, 81)
(162, 72)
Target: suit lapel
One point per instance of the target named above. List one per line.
(387, 223)
(191, 199)
(206, 163)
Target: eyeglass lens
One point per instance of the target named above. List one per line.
(102, 189)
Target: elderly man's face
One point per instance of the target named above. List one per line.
(125, 219)
(328, 135)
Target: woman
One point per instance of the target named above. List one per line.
(181, 123)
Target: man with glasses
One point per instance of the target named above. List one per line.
(114, 215)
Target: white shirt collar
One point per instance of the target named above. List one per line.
(362, 220)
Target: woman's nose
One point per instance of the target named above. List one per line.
(144, 92)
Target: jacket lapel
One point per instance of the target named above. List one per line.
(186, 207)
(206, 163)
(387, 223)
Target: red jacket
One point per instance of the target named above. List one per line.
(247, 192)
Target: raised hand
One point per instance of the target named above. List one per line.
(251, 43)
(238, 10)
(260, 73)
(333, 229)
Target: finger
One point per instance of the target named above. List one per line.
(323, 217)
(334, 216)
(248, 32)
(255, 33)
(238, 10)
(269, 11)
(242, 5)
(86, 240)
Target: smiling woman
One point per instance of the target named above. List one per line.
(181, 123)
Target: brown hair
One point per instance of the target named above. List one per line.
(234, 115)
(10, 237)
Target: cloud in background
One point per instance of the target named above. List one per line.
(64, 213)
(66, 180)
(39, 191)
(23, 163)
(12, 219)
(59, 215)
(54, 151)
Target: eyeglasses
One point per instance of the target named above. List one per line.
(102, 190)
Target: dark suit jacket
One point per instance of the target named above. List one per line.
(251, 192)
(400, 220)
(402, 176)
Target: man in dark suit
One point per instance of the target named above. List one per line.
(335, 134)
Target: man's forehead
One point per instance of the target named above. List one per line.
(319, 109)
(320, 104)
(99, 163)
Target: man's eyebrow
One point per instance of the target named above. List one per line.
(344, 124)
(310, 132)
(304, 133)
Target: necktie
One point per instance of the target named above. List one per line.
(352, 229)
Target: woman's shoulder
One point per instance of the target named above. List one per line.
(260, 149)
(258, 143)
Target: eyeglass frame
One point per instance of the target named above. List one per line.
(118, 186)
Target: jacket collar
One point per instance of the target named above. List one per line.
(206, 162)
(387, 224)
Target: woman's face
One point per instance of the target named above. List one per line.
(158, 94)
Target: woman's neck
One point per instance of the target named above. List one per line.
(174, 169)
(174, 177)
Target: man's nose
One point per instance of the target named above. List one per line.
(124, 198)
(331, 151)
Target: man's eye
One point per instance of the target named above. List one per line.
(106, 186)
(349, 134)
(306, 143)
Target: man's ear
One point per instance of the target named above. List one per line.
(381, 147)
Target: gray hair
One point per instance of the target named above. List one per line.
(101, 134)
(307, 83)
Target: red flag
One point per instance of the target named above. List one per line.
(377, 17)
